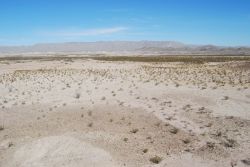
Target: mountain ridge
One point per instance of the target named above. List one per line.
(126, 47)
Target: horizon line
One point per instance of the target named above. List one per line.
(184, 43)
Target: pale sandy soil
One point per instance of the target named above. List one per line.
(103, 114)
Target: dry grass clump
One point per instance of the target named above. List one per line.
(201, 109)
(155, 159)
(125, 139)
(210, 145)
(229, 143)
(134, 130)
(246, 161)
(90, 113)
(225, 98)
(90, 124)
(10, 144)
(173, 130)
(78, 95)
(186, 141)
(145, 150)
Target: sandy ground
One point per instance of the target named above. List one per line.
(103, 114)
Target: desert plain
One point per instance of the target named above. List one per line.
(114, 112)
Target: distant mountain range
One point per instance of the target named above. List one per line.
(126, 47)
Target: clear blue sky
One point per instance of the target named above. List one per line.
(220, 22)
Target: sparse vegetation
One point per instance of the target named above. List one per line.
(134, 104)
(174, 58)
(166, 58)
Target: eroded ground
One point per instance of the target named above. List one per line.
(118, 113)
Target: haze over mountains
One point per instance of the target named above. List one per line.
(126, 47)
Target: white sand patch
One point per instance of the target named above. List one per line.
(61, 151)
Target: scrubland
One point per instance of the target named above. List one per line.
(123, 111)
